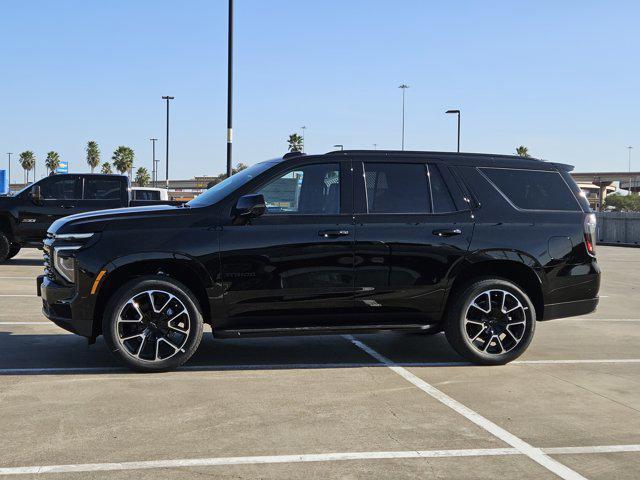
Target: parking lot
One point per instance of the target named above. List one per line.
(381, 406)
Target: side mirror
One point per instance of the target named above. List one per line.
(250, 206)
(36, 195)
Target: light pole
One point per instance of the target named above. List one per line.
(303, 128)
(230, 89)
(154, 171)
(458, 113)
(341, 147)
(403, 87)
(630, 147)
(375, 146)
(9, 170)
(167, 98)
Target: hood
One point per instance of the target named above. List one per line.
(97, 221)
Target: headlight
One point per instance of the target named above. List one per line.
(64, 261)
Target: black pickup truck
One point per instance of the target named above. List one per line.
(26, 215)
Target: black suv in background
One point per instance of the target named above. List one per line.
(26, 215)
(480, 246)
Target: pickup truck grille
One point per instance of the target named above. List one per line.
(48, 262)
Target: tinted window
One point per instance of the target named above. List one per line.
(311, 189)
(60, 187)
(397, 188)
(533, 189)
(146, 195)
(442, 201)
(102, 188)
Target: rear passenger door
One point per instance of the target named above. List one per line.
(412, 226)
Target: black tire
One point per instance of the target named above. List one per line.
(5, 247)
(152, 325)
(13, 250)
(502, 336)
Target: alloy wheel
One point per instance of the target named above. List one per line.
(153, 325)
(495, 322)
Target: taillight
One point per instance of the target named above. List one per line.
(590, 233)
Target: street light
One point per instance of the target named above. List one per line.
(458, 113)
(9, 170)
(403, 87)
(167, 98)
(630, 147)
(303, 128)
(154, 166)
(230, 89)
(375, 146)
(341, 147)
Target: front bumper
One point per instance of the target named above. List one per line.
(64, 307)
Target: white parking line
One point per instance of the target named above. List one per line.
(535, 454)
(302, 366)
(302, 458)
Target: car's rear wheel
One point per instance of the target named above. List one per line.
(491, 321)
(152, 324)
(13, 250)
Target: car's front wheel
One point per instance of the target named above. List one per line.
(152, 324)
(491, 321)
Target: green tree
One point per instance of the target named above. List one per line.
(238, 168)
(93, 155)
(53, 161)
(142, 177)
(123, 159)
(295, 142)
(522, 151)
(106, 168)
(623, 203)
(27, 162)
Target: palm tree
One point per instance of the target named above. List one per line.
(106, 168)
(142, 177)
(93, 154)
(522, 151)
(53, 161)
(295, 142)
(27, 162)
(123, 159)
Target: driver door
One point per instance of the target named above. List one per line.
(293, 267)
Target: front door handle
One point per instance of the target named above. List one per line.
(333, 233)
(447, 232)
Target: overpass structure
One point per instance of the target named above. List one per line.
(604, 180)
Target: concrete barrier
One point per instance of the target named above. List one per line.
(618, 228)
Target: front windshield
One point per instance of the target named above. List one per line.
(228, 185)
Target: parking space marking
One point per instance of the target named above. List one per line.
(301, 366)
(535, 454)
(302, 458)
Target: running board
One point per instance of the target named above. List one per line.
(327, 330)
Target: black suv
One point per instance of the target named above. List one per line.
(478, 246)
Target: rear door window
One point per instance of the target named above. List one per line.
(397, 188)
(533, 189)
(441, 197)
(102, 188)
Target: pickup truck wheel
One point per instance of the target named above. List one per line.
(491, 322)
(152, 324)
(5, 247)
(13, 250)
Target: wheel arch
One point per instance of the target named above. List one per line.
(182, 268)
(522, 272)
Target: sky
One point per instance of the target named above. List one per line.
(558, 77)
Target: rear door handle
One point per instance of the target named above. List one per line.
(447, 232)
(333, 233)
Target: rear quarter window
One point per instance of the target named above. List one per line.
(533, 189)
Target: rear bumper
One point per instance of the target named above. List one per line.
(570, 309)
(62, 306)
